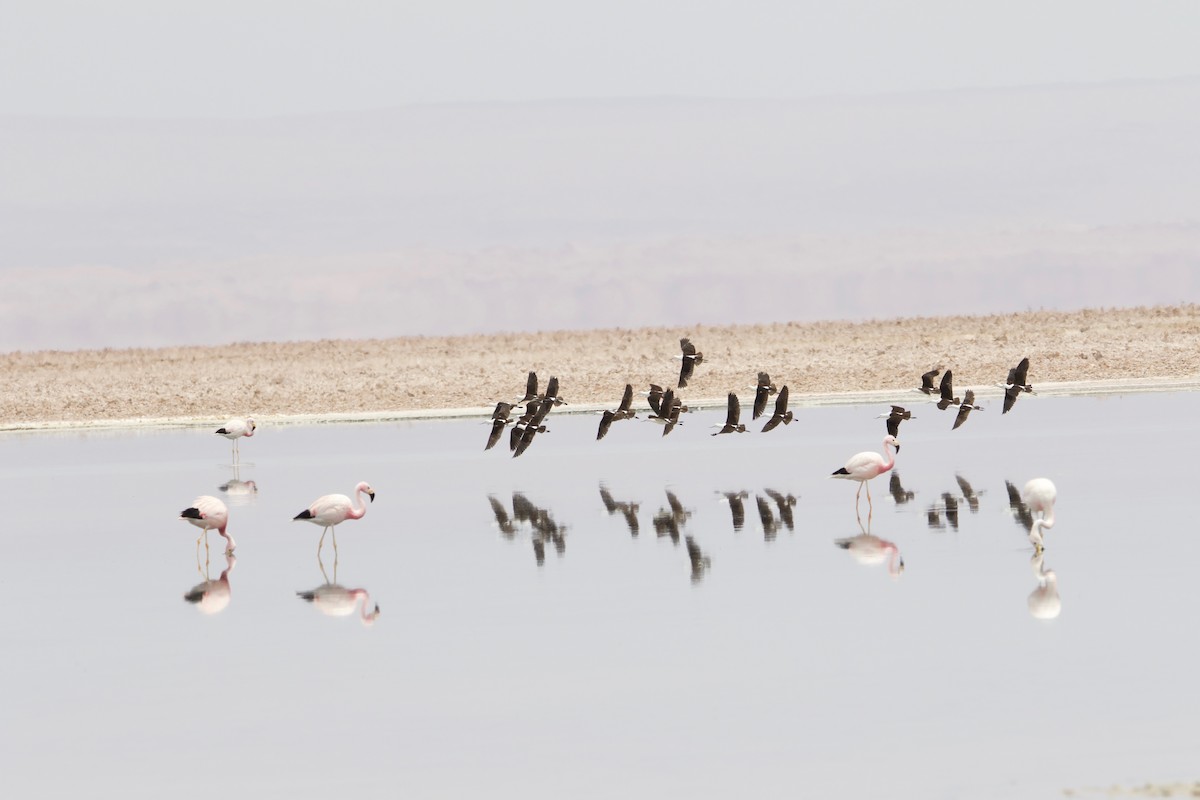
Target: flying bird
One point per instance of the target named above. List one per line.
(762, 393)
(947, 392)
(1017, 382)
(500, 418)
(964, 410)
(552, 392)
(234, 430)
(927, 386)
(733, 416)
(531, 392)
(894, 417)
(331, 510)
(690, 359)
(781, 413)
(668, 411)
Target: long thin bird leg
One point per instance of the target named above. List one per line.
(335, 546)
(321, 543)
(321, 564)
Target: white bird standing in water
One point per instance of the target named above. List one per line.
(210, 514)
(333, 509)
(864, 466)
(234, 430)
(1039, 495)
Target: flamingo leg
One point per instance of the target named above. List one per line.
(335, 546)
(321, 543)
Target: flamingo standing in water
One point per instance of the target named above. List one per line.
(1038, 496)
(867, 465)
(209, 513)
(234, 430)
(333, 509)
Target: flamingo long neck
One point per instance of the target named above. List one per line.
(355, 512)
(1035, 533)
(891, 459)
(369, 612)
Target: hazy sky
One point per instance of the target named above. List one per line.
(235, 58)
(198, 173)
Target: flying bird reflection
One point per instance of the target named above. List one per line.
(784, 503)
(542, 526)
(969, 494)
(699, 560)
(628, 510)
(668, 521)
(767, 517)
(209, 596)
(737, 507)
(899, 493)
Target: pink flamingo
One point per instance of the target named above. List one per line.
(333, 509)
(1039, 495)
(209, 513)
(335, 600)
(867, 465)
(235, 429)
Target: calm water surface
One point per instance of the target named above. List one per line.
(789, 666)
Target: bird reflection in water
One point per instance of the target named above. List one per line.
(767, 517)
(870, 549)
(969, 494)
(899, 493)
(668, 520)
(1017, 507)
(784, 503)
(737, 507)
(1044, 602)
(334, 600)
(239, 492)
(209, 596)
(543, 527)
(699, 560)
(625, 509)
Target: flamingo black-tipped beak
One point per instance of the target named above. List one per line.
(372, 496)
(897, 447)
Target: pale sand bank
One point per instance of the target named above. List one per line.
(1138, 349)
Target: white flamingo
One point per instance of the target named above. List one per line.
(1039, 495)
(234, 430)
(335, 600)
(333, 509)
(210, 514)
(864, 466)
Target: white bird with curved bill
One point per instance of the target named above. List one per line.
(235, 430)
(331, 510)
(210, 514)
(864, 466)
(1039, 495)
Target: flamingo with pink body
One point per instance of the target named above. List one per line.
(864, 466)
(333, 509)
(210, 514)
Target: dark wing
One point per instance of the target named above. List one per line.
(610, 505)
(969, 397)
(605, 423)
(530, 387)
(500, 511)
(964, 411)
(1020, 374)
(947, 387)
(927, 381)
(654, 398)
(502, 410)
(734, 412)
(1010, 397)
(526, 440)
(964, 487)
(626, 399)
(760, 398)
(781, 401)
(686, 368)
(685, 344)
(552, 387)
(893, 426)
(494, 436)
(514, 436)
(542, 410)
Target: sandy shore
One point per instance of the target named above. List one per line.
(1109, 349)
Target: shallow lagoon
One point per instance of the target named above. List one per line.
(611, 669)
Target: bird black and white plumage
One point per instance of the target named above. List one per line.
(625, 408)
(669, 408)
(500, 419)
(927, 386)
(733, 414)
(690, 358)
(762, 393)
(654, 398)
(965, 409)
(1017, 382)
(606, 421)
(552, 392)
(946, 390)
(699, 561)
(530, 425)
(894, 417)
(784, 503)
(531, 389)
(781, 411)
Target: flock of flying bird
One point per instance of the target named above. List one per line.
(210, 513)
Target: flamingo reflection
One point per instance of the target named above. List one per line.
(868, 549)
(209, 596)
(239, 492)
(1044, 602)
(334, 600)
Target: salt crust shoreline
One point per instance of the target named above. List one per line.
(346, 381)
